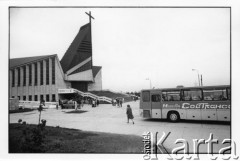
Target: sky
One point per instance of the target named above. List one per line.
(133, 44)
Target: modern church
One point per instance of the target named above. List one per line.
(40, 77)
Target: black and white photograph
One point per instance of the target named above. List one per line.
(146, 82)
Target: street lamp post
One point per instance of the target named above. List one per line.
(198, 76)
(150, 82)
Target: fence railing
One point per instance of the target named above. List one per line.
(88, 94)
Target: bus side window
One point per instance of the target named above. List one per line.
(219, 94)
(173, 95)
(164, 96)
(156, 98)
(192, 95)
(146, 96)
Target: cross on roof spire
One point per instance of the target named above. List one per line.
(90, 16)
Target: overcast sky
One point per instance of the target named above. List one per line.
(132, 44)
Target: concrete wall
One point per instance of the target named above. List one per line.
(60, 82)
(38, 89)
(97, 84)
(81, 76)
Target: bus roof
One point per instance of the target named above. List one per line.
(195, 87)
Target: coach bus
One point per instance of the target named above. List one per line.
(191, 103)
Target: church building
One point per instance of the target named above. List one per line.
(40, 77)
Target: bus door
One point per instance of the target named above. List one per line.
(145, 104)
(156, 104)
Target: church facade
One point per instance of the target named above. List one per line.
(40, 77)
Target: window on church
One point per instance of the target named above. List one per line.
(29, 98)
(35, 74)
(41, 73)
(41, 97)
(47, 71)
(47, 98)
(19, 76)
(13, 78)
(35, 97)
(30, 75)
(53, 98)
(24, 76)
(53, 70)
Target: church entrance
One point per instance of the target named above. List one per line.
(81, 86)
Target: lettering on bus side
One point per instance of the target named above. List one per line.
(205, 106)
(171, 106)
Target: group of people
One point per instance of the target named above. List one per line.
(78, 103)
(135, 98)
(95, 102)
(91, 101)
(118, 102)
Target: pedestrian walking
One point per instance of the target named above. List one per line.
(120, 102)
(129, 114)
(117, 102)
(114, 102)
(82, 102)
(97, 102)
(89, 101)
(60, 103)
(93, 103)
(75, 105)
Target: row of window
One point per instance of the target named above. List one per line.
(35, 74)
(35, 98)
(218, 94)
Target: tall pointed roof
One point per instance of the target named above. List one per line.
(79, 50)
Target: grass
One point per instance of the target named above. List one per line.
(21, 110)
(64, 140)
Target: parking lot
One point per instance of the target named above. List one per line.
(112, 119)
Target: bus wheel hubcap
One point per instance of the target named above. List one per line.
(173, 116)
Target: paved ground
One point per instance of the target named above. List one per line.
(108, 118)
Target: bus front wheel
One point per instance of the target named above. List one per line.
(173, 117)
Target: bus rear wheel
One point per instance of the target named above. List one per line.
(173, 117)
